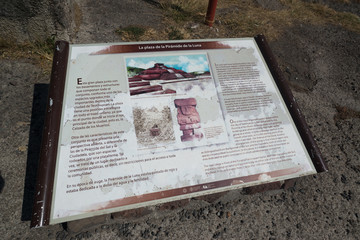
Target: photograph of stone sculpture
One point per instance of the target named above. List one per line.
(153, 126)
(154, 74)
(189, 119)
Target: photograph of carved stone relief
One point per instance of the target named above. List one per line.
(154, 74)
(189, 119)
(153, 126)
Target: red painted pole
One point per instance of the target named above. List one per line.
(210, 15)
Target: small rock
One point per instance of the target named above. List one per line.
(206, 211)
(195, 26)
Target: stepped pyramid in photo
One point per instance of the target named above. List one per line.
(161, 72)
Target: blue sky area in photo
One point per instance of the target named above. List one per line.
(187, 63)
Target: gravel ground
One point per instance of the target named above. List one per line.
(322, 65)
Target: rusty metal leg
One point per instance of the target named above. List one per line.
(210, 15)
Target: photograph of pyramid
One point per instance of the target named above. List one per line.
(161, 72)
(149, 75)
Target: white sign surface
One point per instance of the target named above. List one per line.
(142, 127)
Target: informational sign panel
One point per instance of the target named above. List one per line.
(148, 123)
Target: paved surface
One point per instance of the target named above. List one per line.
(322, 65)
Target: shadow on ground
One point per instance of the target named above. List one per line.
(36, 126)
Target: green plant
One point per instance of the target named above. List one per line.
(45, 47)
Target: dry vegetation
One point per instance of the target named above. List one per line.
(250, 19)
(39, 52)
(345, 113)
(239, 18)
(184, 19)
